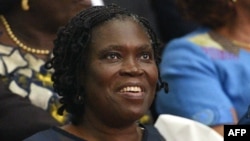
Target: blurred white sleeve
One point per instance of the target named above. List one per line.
(97, 2)
(175, 128)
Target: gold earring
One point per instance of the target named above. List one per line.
(24, 4)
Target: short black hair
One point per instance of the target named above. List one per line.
(72, 43)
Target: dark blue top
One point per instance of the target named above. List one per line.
(246, 118)
(57, 134)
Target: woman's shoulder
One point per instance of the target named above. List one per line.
(199, 42)
(47, 135)
(199, 36)
(53, 134)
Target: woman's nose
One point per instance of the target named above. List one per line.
(131, 67)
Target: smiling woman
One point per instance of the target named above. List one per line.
(106, 72)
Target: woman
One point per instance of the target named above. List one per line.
(27, 30)
(105, 62)
(209, 71)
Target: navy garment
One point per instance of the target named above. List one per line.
(245, 120)
(56, 134)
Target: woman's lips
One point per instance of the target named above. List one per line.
(131, 95)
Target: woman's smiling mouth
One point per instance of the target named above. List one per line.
(132, 92)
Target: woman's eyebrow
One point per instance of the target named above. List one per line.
(120, 47)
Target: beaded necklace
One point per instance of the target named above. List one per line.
(18, 42)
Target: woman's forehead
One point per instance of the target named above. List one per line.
(119, 30)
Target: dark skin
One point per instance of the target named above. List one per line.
(119, 81)
(37, 27)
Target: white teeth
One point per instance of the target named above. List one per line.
(131, 89)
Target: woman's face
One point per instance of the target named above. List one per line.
(120, 80)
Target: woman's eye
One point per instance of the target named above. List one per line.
(113, 56)
(146, 56)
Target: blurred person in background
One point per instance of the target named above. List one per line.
(27, 30)
(170, 23)
(208, 70)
